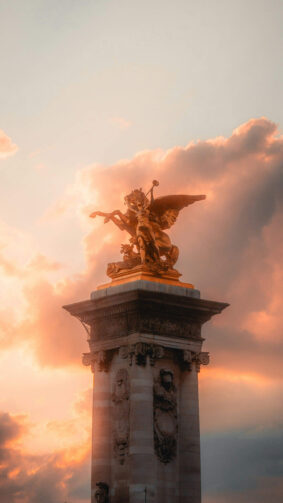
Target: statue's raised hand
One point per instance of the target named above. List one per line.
(94, 214)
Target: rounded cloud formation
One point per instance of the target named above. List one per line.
(34, 478)
(231, 248)
(230, 243)
(7, 147)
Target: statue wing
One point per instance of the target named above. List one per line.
(161, 204)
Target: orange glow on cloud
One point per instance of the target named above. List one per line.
(7, 147)
(231, 248)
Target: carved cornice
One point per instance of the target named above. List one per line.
(141, 310)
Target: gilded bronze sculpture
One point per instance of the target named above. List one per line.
(146, 219)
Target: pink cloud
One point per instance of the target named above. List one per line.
(7, 147)
(30, 478)
(120, 122)
(227, 242)
(231, 248)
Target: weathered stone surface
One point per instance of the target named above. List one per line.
(165, 416)
(121, 414)
(143, 310)
(149, 286)
(146, 443)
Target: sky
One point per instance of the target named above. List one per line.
(99, 98)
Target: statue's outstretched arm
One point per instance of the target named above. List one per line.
(100, 214)
(121, 222)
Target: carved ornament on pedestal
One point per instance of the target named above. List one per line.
(201, 358)
(120, 399)
(165, 416)
(99, 360)
(102, 492)
(140, 351)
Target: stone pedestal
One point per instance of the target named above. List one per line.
(145, 351)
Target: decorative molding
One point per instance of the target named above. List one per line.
(165, 416)
(140, 351)
(121, 414)
(99, 360)
(150, 316)
(163, 325)
(201, 358)
(145, 311)
(187, 356)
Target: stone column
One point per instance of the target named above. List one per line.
(189, 437)
(132, 327)
(141, 454)
(101, 431)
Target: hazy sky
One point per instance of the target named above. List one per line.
(98, 97)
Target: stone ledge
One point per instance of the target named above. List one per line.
(148, 286)
(167, 342)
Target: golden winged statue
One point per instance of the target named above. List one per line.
(146, 218)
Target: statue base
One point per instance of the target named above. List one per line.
(142, 272)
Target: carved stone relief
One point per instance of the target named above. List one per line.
(201, 358)
(157, 325)
(128, 319)
(165, 416)
(121, 413)
(99, 360)
(102, 493)
(140, 351)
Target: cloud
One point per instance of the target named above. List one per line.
(232, 399)
(231, 248)
(30, 478)
(41, 263)
(120, 122)
(11, 428)
(230, 244)
(243, 467)
(7, 147)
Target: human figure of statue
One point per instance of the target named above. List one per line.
(146, 220)
(145, 237)
(165, 416)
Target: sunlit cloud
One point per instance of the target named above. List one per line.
(234, 229)
(7, 147)
(231, 249)
(120, 122)
(31, 478)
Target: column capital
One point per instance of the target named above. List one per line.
(138, 353)
(201, 358)
(98, 360)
